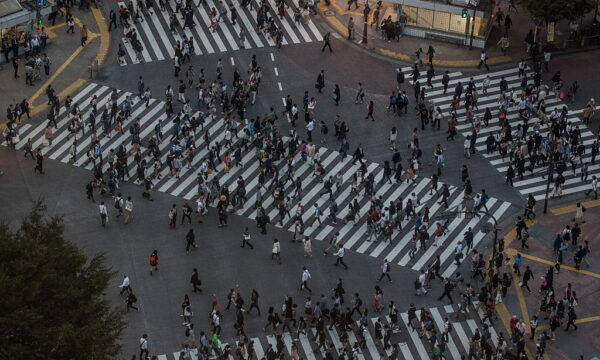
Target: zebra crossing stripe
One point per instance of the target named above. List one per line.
(86, 109)
(164, 357)
(248, 26)
(258, 349)
(354, 240)
(154, 44)
(162, 34)
(437, 318)
(284, 22)
(42, 125)
(406, 259)
(214, 34)
(306, 347)
(415, 338)
(225, 29)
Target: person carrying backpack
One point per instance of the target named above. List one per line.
(130, 300)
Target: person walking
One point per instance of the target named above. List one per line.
(144, 347)
(190, 240)
(326, 43)
(128, 209)
(253, 302)
(276, 251)
(340, 257)
(173, 217)
(195, 280)
(385, 271)
(483, 60)
(130, 300)
(153, 262)
(370, 110)
(305, 277)
(307, 246)
(447, 290)
(527, 275)
(571, 318)
(594, 188)
(125, 285)
(119, 204)
(39, 162)
(246, 238)
(84, 35)
(112, 16)
(103, 214)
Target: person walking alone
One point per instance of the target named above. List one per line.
(173, 217)
(103, 214)
(326, 40)
(190, 240)
(276, 251)
(144, 347)
(128, 209)
(195, 280)
(246, 239)
(385, 270)
(305, 277)
(340, 257)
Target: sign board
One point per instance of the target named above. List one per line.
(550, 36)
(41, 3)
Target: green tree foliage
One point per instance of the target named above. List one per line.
(52, 305)
(556, 10)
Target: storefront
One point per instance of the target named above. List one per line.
(450, 21)
(19, 17)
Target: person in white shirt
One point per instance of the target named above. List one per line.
(144, 347)
(103, 213)
(305, 277)
(422, 277)
(340, 257)
(458, 253)
(128, 209)
(125, 285)
(486, 84)
(483, 61)
(309, 129)
(594, 188)
(276, 251)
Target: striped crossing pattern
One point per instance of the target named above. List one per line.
(158, 40)
(352, 236)
(410, 344)
(532, 183)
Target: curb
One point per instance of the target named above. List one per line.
(342, 30)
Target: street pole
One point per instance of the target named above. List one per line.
(365, 28)
(472, 28)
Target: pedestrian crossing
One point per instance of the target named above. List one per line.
(531, 183)
(158, 40)
(352, 236)
(411, 343)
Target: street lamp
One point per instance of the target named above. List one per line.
(366, 23)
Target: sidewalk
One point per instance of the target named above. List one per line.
(446, 54)
(585, 282)
(69, 67)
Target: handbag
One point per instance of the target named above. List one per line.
(45, 142)
(562, 94)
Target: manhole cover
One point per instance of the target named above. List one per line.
(329, 13)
